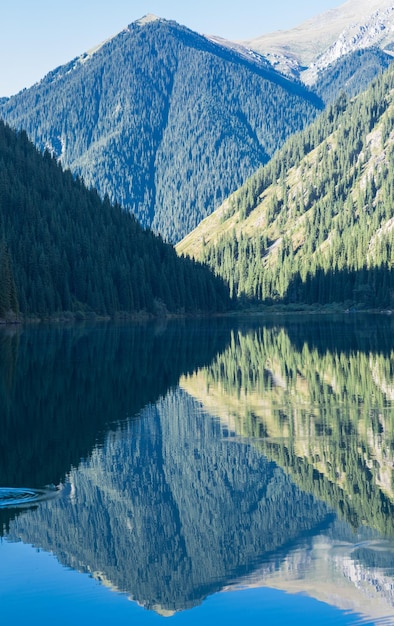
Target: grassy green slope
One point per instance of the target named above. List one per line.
(316, 223)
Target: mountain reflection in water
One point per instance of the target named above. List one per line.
(271, 464)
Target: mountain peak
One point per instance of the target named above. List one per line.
(147, 19)
(355, 24)
(142, 100)
(374, 30)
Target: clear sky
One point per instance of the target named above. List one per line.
(39, 35)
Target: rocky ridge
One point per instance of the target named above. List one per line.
(304, 51)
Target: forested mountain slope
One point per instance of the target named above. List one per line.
(351, 73)
(64, 249)
(316, 223)
(163, 120)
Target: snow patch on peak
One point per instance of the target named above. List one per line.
(147, 19)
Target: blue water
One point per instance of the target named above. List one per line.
(35, 589)
(204, 474)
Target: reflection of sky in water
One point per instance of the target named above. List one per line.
(253, 478)
(33, 586)
(290, 585)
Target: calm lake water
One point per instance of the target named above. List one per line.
(208, 472)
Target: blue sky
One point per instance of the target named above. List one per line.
(39, 35)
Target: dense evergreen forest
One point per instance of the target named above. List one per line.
(63, 249)
(163, 120)
(351, 73)
(315, 225)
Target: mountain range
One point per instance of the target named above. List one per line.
(167, 123)
(308, 49)
(164, 121)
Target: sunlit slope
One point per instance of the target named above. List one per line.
(316, 223)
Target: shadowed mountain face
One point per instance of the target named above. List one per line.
(164, 121)
(351, 73)
(64, 252)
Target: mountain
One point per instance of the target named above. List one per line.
(351, 73)
(164, 121)
(63, 249)
(307, 50)
(316, 223)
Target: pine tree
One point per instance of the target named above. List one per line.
(8, 296)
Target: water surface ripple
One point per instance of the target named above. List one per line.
(11, 497)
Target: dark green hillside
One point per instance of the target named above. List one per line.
(64, 249)
(352, 73)
(315, 225)
(164, 121)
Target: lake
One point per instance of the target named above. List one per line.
(214, 471)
